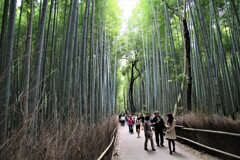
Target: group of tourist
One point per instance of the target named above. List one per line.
(148, 124)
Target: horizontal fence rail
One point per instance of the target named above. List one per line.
(210, 148)
(209, 131)
(109, 146)
(207, 147)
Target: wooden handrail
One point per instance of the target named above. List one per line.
(209, 131)
(210, 148)
(105, 151)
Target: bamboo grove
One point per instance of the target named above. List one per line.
(62, 58)
(159, 73)
(58, 61)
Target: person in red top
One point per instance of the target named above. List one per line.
(130, 124)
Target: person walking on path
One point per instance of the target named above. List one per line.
(159, 127)
(148, 133)
(170, 132)
(130, 124)
(142, 120)
(138, 125)
(122, 120)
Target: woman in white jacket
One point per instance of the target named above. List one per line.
(170, 132)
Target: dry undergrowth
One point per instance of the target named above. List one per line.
(212, 122)
(227, 143)
(61, 141)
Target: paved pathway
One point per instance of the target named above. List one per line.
(132, 148)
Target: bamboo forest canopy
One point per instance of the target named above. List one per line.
(58, 62)
(78, 58)
(155, 50)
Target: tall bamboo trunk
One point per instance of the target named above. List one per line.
(3, 36)
(36, 79)
(188, 65)
(26, 63)
(5, 84)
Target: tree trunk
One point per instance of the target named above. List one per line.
(26, 64)
(188, 65)
(35, 87)
(5, 91)
(3, 36)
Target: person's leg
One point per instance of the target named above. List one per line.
(131, 128)
(146, 141)
(173, 145)
(139, 130)
(169, 146)
(152, 144)
(157, 137)
(161, 138)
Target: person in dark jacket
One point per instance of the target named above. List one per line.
(159, 127)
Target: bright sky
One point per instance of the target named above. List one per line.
(18, 2)
(127, 7)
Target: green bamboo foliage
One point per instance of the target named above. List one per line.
(73, 68)
(214, 33)
(69, 64)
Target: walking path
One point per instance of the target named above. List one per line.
(132, 147)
